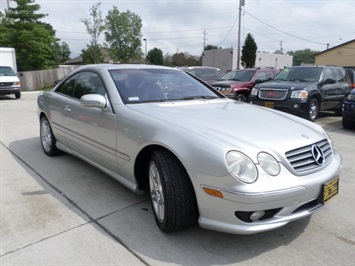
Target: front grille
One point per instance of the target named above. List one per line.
(272, 94)
(303, 159)
(6, 84)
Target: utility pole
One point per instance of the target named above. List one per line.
(281, 47)
(204, 39)
(241, 3)
(145, 50)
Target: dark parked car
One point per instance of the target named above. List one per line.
(208, 74)
(237, 84)
(351, 73)
(349, 104)
(304, 90)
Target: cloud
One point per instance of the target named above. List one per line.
(185, 25)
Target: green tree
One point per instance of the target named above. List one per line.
(123, 35)
(211, 47)
(92, 54)
(62, 52)
(33, 40)
(249, 51)
(184, 59)
(94, 26)
(155, 57)
(303, 57)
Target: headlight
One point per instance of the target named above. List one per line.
(300, 94)
(268, 163)
(351, 97)
(241, 166)
(254, 91)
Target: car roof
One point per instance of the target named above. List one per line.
(313, 66)
(123, 66)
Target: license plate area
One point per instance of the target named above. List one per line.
(269, 104)
(330, 189)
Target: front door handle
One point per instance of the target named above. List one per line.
(67, 109)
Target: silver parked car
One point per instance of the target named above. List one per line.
(230, 166)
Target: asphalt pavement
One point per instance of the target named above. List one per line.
(62, 211)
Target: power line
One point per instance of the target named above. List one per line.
(283, 31)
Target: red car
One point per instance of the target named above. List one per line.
(237, 84)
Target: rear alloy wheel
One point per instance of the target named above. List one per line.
(172, 195)
(240, 98)
(313, 110)
(47, 138)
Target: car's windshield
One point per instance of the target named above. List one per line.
(144, 85)
(7, 71)
(303, 74)
(239, 75)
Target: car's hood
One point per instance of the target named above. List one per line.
(289, 85)
(235, 125)
(9, 78)
(230, 83)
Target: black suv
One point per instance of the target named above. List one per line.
(304, 90)
(237, 84)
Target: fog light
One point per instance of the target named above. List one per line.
(256, 215)
(296, 106)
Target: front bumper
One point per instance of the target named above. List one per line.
(297, 200)
(9, 90)
(297, 107)
(349, 111)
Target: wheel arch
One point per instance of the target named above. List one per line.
(142, 162)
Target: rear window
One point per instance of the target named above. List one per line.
(239, 75)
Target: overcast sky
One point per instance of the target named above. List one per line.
(185, 25)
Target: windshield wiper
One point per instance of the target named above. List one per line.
(199, 97)
(301, 80)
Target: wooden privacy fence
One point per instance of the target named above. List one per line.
(42, 79)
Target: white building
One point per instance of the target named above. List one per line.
(226, 60)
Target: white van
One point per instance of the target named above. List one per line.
(9, 81)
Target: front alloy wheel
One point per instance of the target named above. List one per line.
(313, 110)
(156, 191)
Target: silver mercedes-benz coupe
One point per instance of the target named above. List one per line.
(226, 165)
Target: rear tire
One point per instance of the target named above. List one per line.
(48, 141)
(172, 194)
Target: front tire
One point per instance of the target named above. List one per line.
(240, 98)
(172, 194)
(48, 140)
(347, 124)
(312, 110)
(18, 95)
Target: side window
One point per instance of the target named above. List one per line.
(338, 75)
(67, 88)
(88, 83)
(261, 75)
(328, 74)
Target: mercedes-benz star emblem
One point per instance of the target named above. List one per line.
(318, 155)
